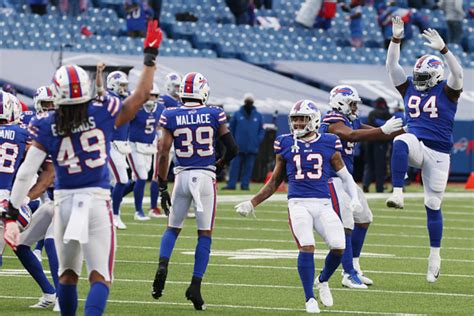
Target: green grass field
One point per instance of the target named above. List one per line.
(253, 266)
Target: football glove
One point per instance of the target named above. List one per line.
(152, 43)
(434, 40)
(398, 27)
(392, 125)
(245, 208)
(165, 196)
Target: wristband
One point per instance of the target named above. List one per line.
(444, 50)
(12, 213)
(396, 40)
(99, 89)
(162, 184)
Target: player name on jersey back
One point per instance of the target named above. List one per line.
(196, 118)
(84, 127)
(7, 134)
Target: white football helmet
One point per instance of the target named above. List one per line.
(17, 110)
(43, 99)
(117, 81)
(344, 99)
(194, 86)
(152, 103)
(307, 109)
(428, 72)
(172, 83)
(6, 106)
(71, 85)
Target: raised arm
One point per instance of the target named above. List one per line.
(99, 79)
(133, 103)
(356, 135)
(455, 79)
(395, 71)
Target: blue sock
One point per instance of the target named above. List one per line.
(129, 187)
(33, 266)
(399, 163)
(96, 299)
(154, 192)
(33, 205)
(358, 237)
(347, 263)
(435, 226)
(52, 259)
(67, 296)
(306, 271)
(201, 255)
(138, 193)
(330, 265)
(167, 243)
(39, 245)
(117, 195)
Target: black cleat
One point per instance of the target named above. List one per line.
(193, 294)
(160, 279)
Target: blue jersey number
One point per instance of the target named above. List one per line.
(318, 167)
(91, 141)
(429, 106)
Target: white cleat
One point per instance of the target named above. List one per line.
(312, 306)
(352, 281)
(141, 217)
(37, 254)
(45, 301)
(434, 265)
(395, 201)
(191, 215)
(325, 295)
(119, 223)
(56, 307)
(363, 278)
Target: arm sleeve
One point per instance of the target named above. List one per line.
(395, 71)
(221, 117)
(277, 145)
(455, 78)
(349, 184)
(28, 169)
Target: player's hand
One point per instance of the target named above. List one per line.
(165, 196)
(355, 206)
(100, 67)
(11, 233)
(434, 40)
(392, 125)
(220, 165)
(153, 36)
(245, 208)
(398, 27)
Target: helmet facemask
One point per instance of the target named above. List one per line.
(302, 125)
(428, 72)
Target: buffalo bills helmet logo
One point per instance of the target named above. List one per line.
(434, 63)
(344, 91)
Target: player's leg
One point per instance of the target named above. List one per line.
(138, 165)
(247, 169)
(362, 221)
(301, 224)
(118, 166)
(203, 190)
(340, 200)
(69, 257)
(406, 151)
(38, 249)
(180, 201)
(234, 172)
(99, 254)
(40, 222)
(329, 226)
(435, 173)
(155, 211)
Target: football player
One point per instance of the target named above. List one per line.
(171, 99)
(13, 142)
(193, 129)
(143, 143)
(78, 136)
(430, 107)
(117, 85)
(343, 121)
(307, 159)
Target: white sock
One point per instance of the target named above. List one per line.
(355, 262)
(434, 251)
(398, 191)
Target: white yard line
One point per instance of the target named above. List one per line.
(269, 308)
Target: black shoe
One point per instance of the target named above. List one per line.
(193, 294)
(245, 189)
(365, 189)
(160, 279)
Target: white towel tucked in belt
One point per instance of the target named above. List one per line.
(195, 189)
(78, 225)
